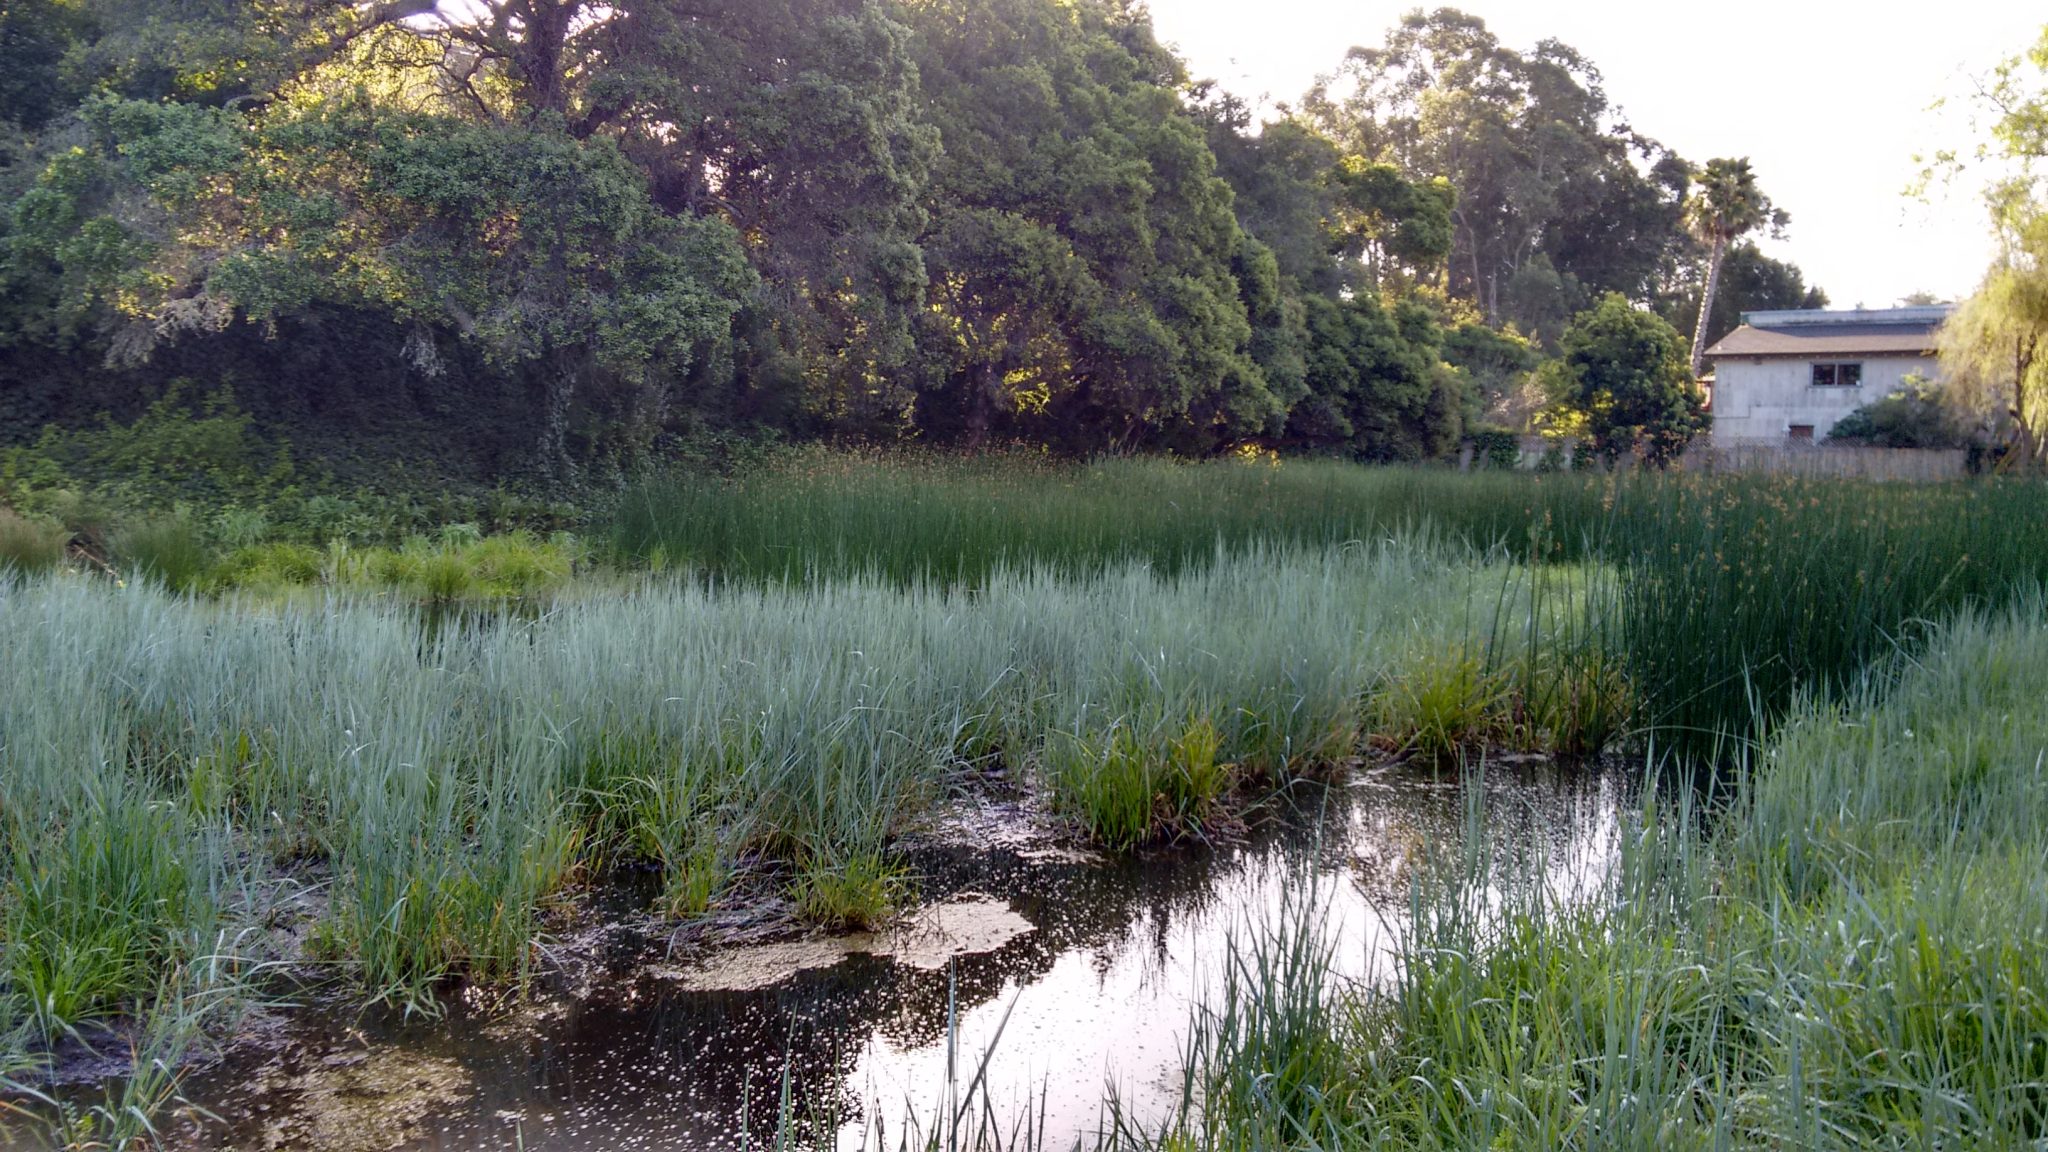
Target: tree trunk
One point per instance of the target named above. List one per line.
(2023, 351)
(980, 407)
(1713, 288)
(558, 387)
(539, 54)
(1478, 288)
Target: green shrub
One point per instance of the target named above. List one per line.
(1916, 415)
(83, 514)
(239, 527)
(177, 451)
(28, 545)
(1497, 448)
(270, 566)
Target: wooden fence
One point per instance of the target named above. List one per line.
(1906, 464)
(1921, 464)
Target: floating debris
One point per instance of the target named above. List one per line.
(967, 925)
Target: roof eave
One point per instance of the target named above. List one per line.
(1817, 354)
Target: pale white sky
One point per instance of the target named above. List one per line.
(1829, 99)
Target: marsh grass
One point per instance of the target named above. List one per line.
(1740, 594)
(1128, 788)
(170, 550)
(1143, 638)
(957, 520)
(859, 890)
(1444, 703)
(1732, 594)
(450, 784)
(1850, 955)
(95, 909)
(270, 568)
(464, 565)
(964, 1118)
(30, 545)
(1266, 1063)
(456, 567)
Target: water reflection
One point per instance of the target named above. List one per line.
(1096, 998)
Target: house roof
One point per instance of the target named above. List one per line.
(1814, 332)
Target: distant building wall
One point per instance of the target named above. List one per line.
(1763, 400)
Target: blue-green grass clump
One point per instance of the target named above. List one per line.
(444, 781)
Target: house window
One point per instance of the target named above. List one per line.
(1837, 375)
(1802, 432)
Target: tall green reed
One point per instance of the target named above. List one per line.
(1733, 593)
(958, 519)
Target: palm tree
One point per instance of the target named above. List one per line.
(1726, 207)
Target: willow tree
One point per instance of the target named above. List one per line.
(1992, 350)
(1726, 206)
(1991, 356)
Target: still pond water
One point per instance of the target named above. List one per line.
(1076, 974)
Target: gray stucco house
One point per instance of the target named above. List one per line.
(1791, 375)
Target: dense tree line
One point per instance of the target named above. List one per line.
(544, 236)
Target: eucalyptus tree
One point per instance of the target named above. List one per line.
(1726, 206)
(1281, 176)
(1350, 244)
(1556, 197)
